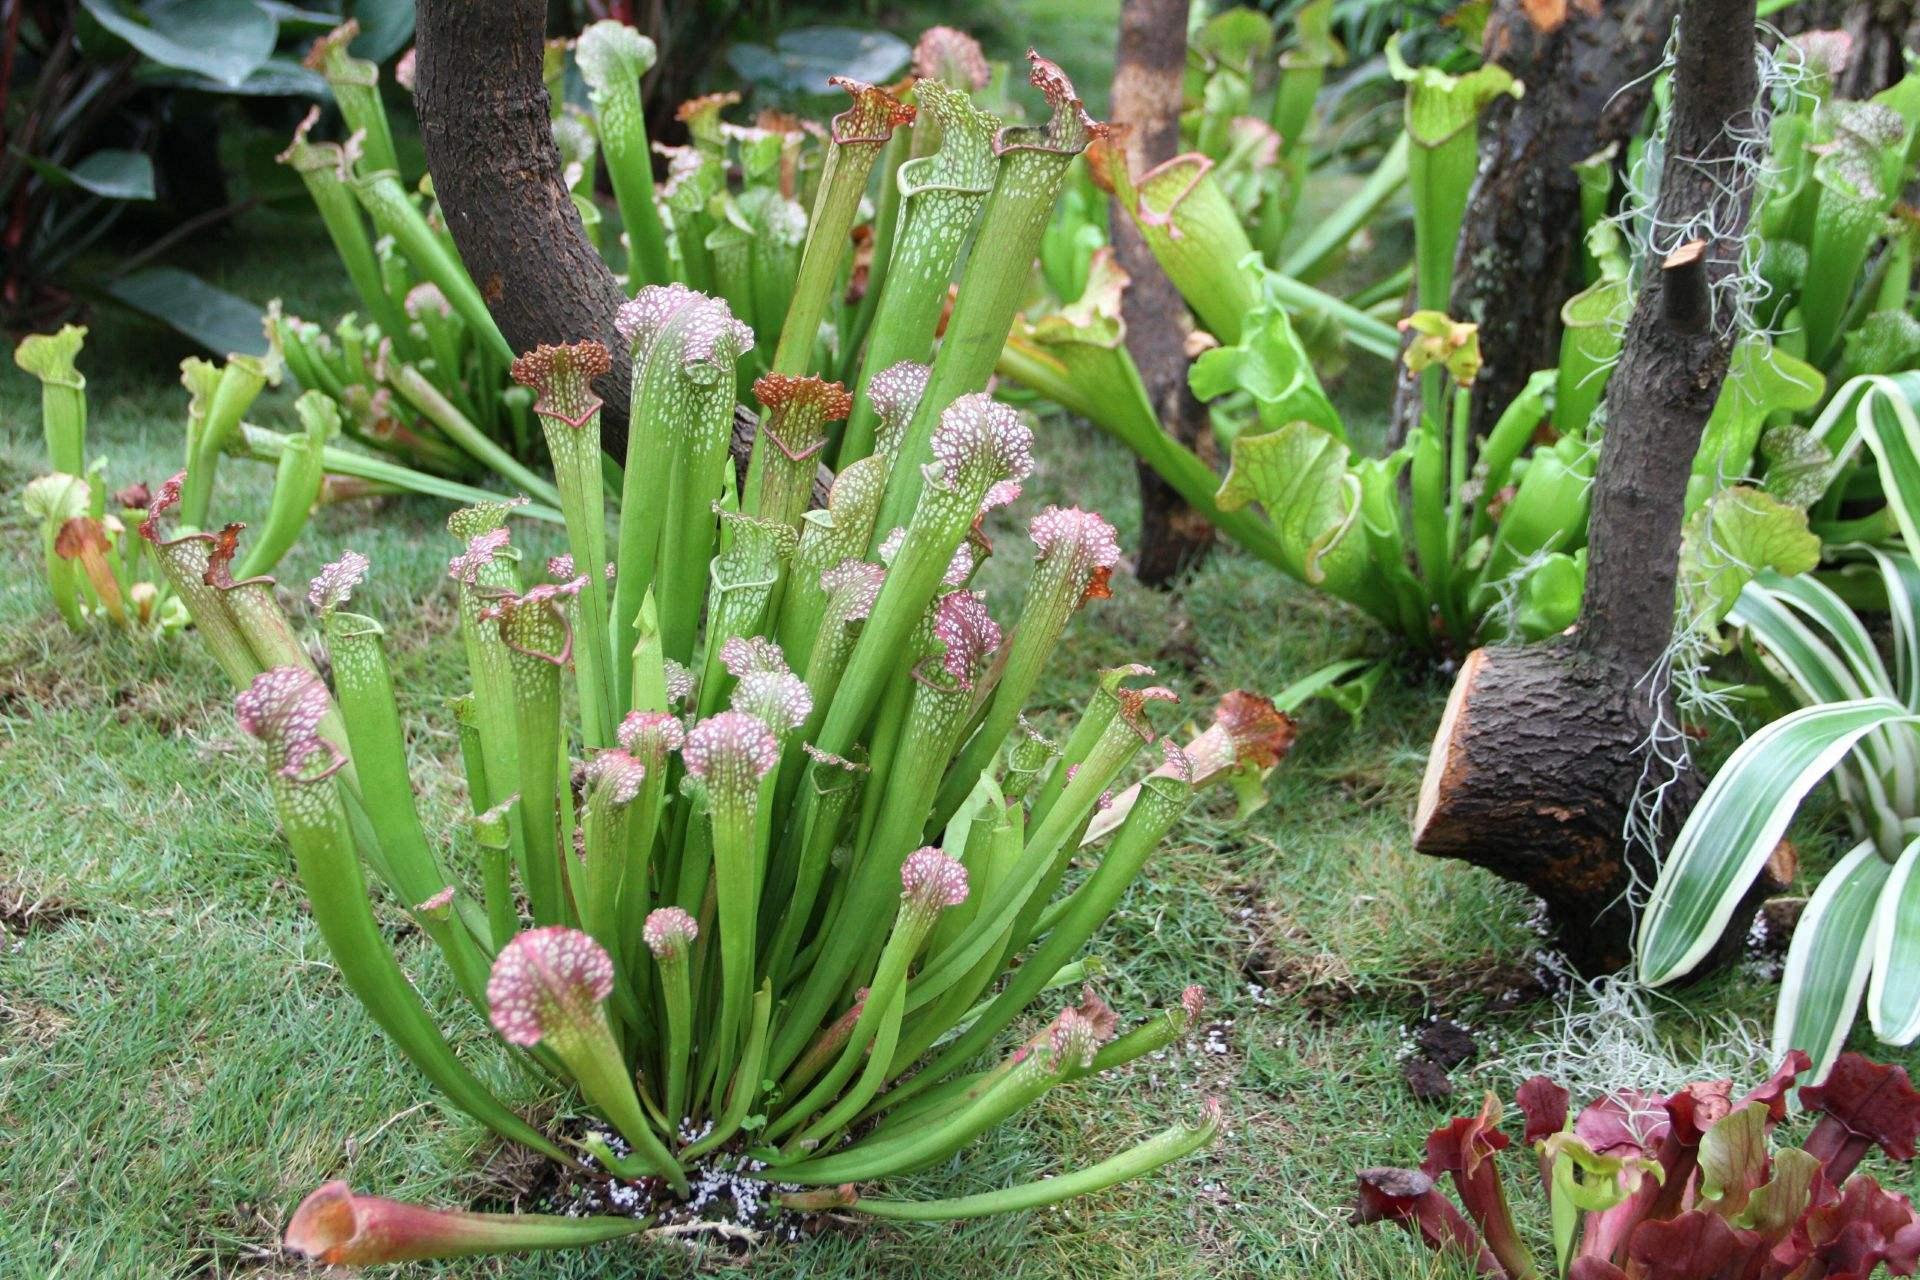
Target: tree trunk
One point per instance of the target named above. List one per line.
(496, 172)
(1147, 79)
(1585, 69)
(1543, 750)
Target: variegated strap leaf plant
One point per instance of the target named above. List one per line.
(811, 872)
(1852, 714)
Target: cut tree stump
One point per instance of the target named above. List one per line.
(1543, 750)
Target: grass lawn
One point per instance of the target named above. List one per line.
(179, 1062)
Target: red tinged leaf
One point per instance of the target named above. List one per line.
(1774, 1091)
(339, 1228)
(1852, 1233)
(1866, 1104)
(1594, 1269)
(1695, 1108)
(1694, 1246)
(1408, 1197)
(1465, 1148)
(1624, 1124)
(1544, 1104)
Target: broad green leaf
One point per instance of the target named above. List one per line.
(1737, 533)
(1893, 995)
(1797, 462)
(1733, 1158)
(223, 40)
(1235, 37)
(212, 317)
(1553, 593)
(802, 59)
(275, 78)
(110, 173)
(1762, 380)
(1299, 474)
(1772, 1209)
(1734, 828)
(1829, 959)
(1270, 365)
(386, 26)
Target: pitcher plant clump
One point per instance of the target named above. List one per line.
(764, 868)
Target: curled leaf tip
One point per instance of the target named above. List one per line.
(707, 105)
(610, 50)
(50, 356)
(798, 410)
(615, 775)
(952, 56)
(979, 437)
(438, 903)
(1824, 53)
(815, 394)
(321, 52)
(562, 377)
(651, 734)
(1082, 545)
(283, 708)
(828, 760)
(333, 585)
(1194, 1001)
(482, 517)
(731, 747)
(1071, 128)
(220, 556)
(710, 333)
(1133, 710)
(534, 622)
(547, 981)
(962, 624)
(766, 690)
(852, 586)
(1098, 1013)
(679, 682)
(873, 115)
(164, 501)
(481, 550)
(932, 880)
(669, 931)
(1259, 732)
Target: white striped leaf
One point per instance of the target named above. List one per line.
(1884, 411)
(1893, 996)
(1829, 959)
(1737, 823)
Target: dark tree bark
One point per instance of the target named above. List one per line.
(1541, 751)
(1584, 66)
(1147, 78)
(496, 172)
